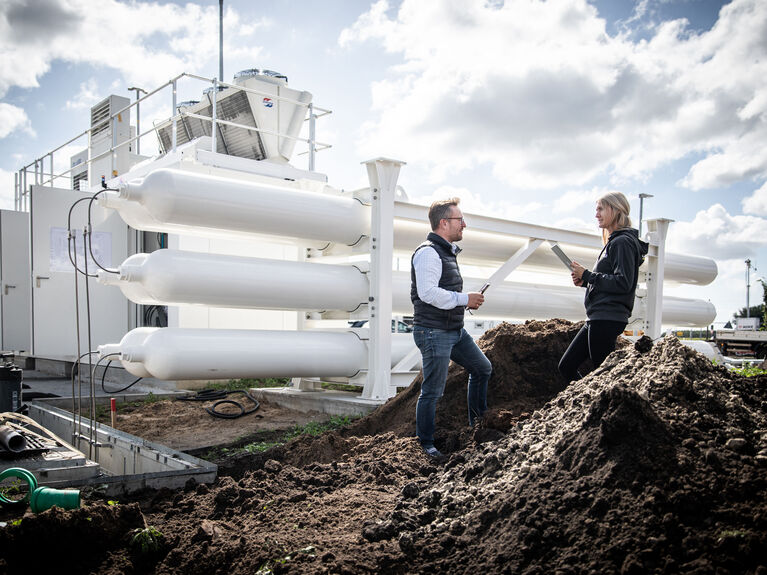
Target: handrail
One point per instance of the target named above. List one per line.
(243, 126)
(41, 177)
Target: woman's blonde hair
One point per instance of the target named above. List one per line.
(621, 209)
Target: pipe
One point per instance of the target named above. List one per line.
(12, 440)
(181, 353)
(172, 277)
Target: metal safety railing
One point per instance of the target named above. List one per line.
(35, 172)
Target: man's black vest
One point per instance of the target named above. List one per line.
(427, 315)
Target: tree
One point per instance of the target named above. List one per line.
(753, 311)
(759, 311)
(764, 305)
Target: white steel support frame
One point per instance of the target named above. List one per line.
(382, 174)
(656, 260)
(514, 262)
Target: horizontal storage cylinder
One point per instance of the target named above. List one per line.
(171, 277)
(175, 200)
(493, 249)
(178, 353)
(183, 202)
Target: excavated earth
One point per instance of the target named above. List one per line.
(654, 463)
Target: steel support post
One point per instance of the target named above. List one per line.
(382, 174)
(656, 259)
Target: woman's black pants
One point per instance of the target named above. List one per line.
(596, 339)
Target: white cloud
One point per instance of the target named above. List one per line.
(6, 190)
(13, 118)
(147, 42)
(87, 96)
(574, 199)
(549, 99)
(718, 234)
(472, 203)
(757, 202)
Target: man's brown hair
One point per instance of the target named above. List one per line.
(440, 210)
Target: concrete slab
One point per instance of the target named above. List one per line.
(325, 401)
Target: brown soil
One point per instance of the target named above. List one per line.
(186, 426)
(654, 463)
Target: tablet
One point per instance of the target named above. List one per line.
(562, 256)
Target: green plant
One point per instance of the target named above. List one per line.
(312, 428)
(147, 540)
(268, 567)
(731, 534)
(12, 489)
(749, 370)
(339, 386)
(247, 383)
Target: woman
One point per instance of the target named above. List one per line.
(610, 288)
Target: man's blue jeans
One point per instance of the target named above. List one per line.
(438, 347)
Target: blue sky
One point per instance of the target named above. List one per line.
(527, 110)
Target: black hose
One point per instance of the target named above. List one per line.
(222, 396)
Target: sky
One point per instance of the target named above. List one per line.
(526, 110)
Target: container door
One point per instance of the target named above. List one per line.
(53, 279)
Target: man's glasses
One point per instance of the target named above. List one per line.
(463, 221)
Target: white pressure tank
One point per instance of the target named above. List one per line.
(184, 353)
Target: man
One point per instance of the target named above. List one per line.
(439, 304)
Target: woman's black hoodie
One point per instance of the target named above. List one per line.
(610, 288)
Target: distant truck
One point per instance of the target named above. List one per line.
(744, 341)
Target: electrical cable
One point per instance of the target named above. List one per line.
(92, 430)
(90, 227)
(70, 237)
(77, 412)
(103, 376)
(87, 244)
(104, 373)
(221, 395)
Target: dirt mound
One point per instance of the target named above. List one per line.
(63, 541)
(525, 376)
(654, 463)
